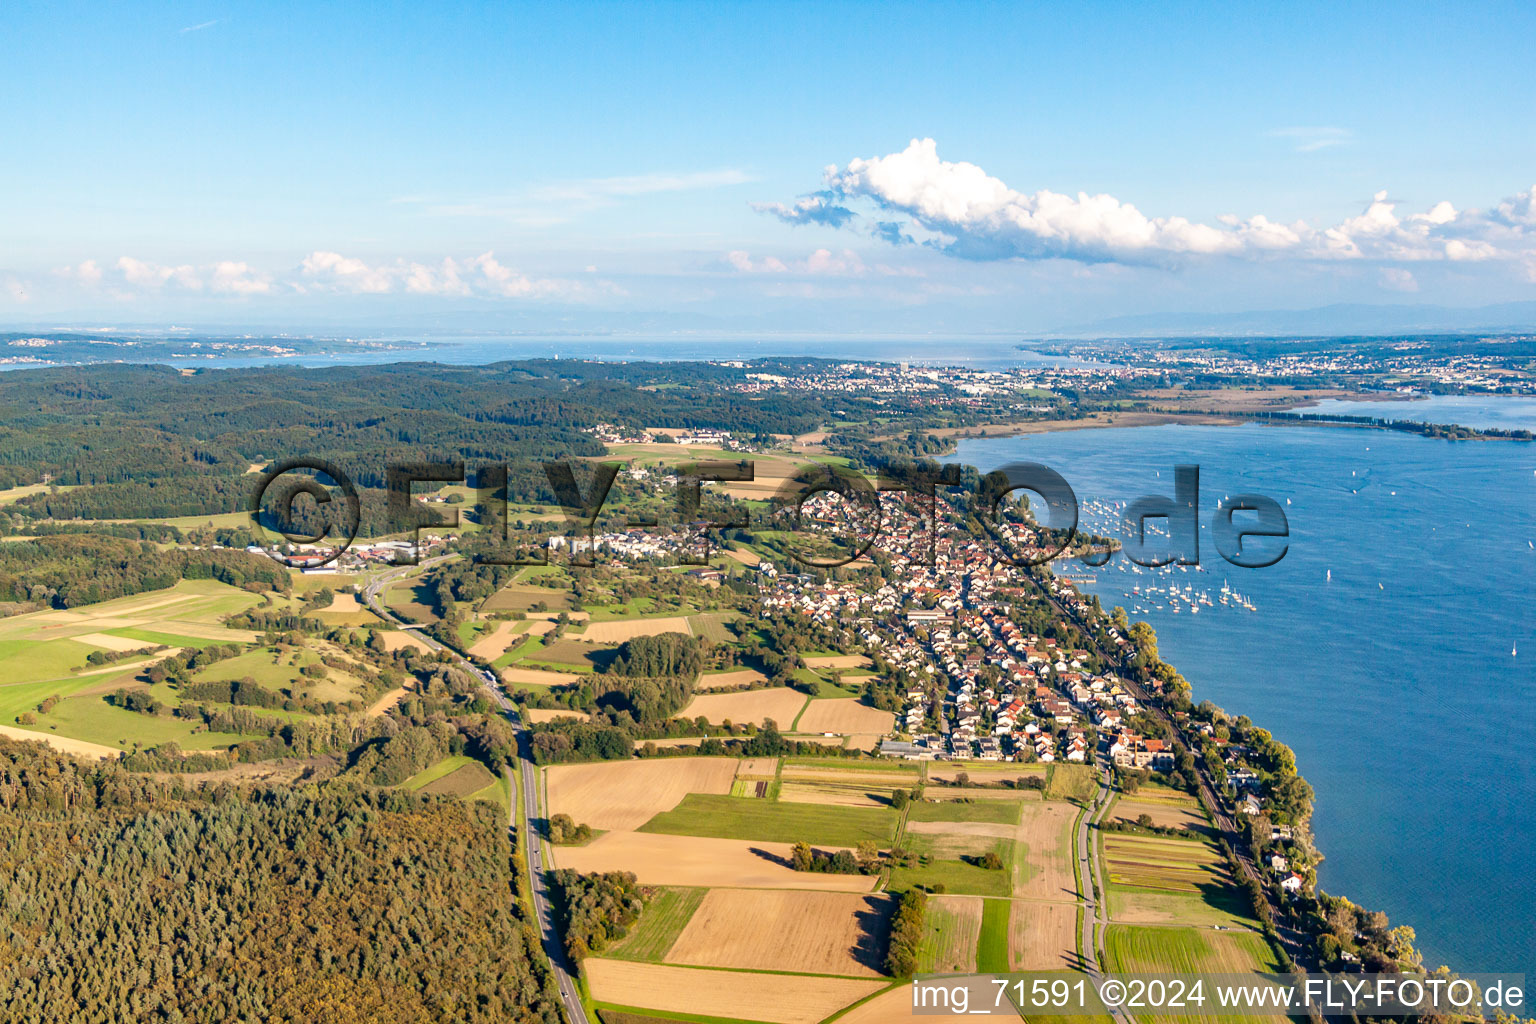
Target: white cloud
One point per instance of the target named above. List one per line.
(1398, 280)
(154, 275)
(961, 210)
(199, 28)
(821, 262)
(482, 275)
(233, 278)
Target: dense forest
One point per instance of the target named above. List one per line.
(126, 898)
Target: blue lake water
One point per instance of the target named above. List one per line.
(1393, 681)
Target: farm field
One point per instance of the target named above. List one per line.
(63, 744)
(951, 929)
(463, 782)
(778, 703)
(992, 945)
(616, 631)
(1044, 869)
(711, 626)
(621, 795)
(1042, 936)
(52, 645)
(727, 817)
(494, 644)
(537, 715)
(1170, 865)
(998, 812)
(666, 914)
(1071, 782)
(536, 677)
(958, 876)
(806, 932)
(984, 772)
(693, 861)
(1164, 813)
(845, 715)
(837, 661)
(1225, 907)
(729, 680)
(733, 995)
(1132, 949)
(839, 793)
(522, 598)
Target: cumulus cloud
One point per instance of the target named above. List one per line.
(482, 275)
(820, 263)
(234, 278)
(959, 209)
(154, 275)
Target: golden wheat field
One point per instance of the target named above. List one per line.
(741, 995)
(627, 794)
(807, 932)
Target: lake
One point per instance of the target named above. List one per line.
(1393, 678)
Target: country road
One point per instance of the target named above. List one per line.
(525, 807)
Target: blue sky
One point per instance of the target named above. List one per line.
(569, 165)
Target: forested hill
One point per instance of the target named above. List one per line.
(153, 441)
(127, 899)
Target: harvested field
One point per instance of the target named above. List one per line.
(537, 677)
(831, 793)
(1044, 869)
(63, 744)
(627, 794)
(729, 680)
(495, 643)
(398, 640)
(866, 741)
(517, 598)
(746, 558)
(344, 601)
(692, 860)
(617, 631)
(734, 995)
(679, 741)
(989, 773)
(837, 661)
(757, 768)
(951, 928)
(874, 776)
(778, 703)
(845, 715)
(108, 642)
(984, 829)
(537, 715)
(978, 794)
(1042, 936)
(805, 932)
(1163, 815)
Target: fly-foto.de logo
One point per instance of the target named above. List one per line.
(317, 508)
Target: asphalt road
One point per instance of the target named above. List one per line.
(527, 806)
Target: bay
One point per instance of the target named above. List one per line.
(1393, 680)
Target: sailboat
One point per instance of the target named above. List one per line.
(1329, 577)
